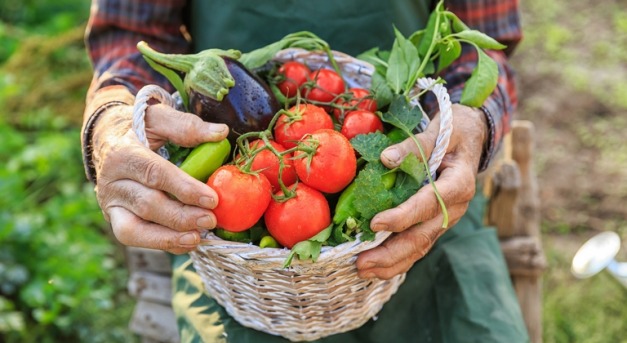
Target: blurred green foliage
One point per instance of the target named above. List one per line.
(62, 277)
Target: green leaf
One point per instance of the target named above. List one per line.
(373, 56)
(457, 24)
(402, 114)
(480, 39)
(403, 63)
(429, 33)
(371, 196)
(309, 249)
(405, 187)
(414, 168)
(259, 57)
(366, 232)
(303, 39)
(482, 81)
(415, 37)
(380, 90)
(370, 146)
(449, 51)
(173, 77)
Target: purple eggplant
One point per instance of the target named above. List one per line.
(217, 88)
(248, 106)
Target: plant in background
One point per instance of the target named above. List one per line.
(60, 276)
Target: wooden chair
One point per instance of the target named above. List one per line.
(511, 186)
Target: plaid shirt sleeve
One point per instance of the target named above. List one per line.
(113, 31)
(500, 20)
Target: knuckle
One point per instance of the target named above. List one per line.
(141, 204)
(152, 176)
(421, 244)
(167, 244)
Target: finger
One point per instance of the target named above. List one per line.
(399, 252)
(155, 206)
(131, 230)
(392, 156)
(140, 164)
(456, 184)
(185, 129)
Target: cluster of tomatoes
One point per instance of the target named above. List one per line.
(284, 175)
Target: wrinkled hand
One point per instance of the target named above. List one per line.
(417, 223)
(134, 183)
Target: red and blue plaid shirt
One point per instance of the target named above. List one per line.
(115, 27)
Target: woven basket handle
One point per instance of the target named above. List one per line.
(139, 111)
(446, 121)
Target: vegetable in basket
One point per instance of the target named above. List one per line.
(218, 88)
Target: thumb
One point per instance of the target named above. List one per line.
(164, 123)
(393, 155)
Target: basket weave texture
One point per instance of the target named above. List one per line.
(308, 300)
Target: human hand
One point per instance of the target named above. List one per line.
(417, 223)
(134, 183)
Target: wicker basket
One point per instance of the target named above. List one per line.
(309, 300)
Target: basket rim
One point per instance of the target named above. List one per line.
(251, 251)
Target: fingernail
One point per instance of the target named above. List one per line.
(217, 128)
(379, 227)
(188, 239)
(206, 202)
(392, 155)
(206, 222)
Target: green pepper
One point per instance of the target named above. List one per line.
(396, 135)
(206, 158)
(345, 207)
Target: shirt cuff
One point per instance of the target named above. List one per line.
(489, 109)
(98, 103)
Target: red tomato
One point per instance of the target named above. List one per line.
(360, 99)
(267, 163)
(242, 197)
(360, 122)
(295, 74)
(333, 165)
(303, 119)
(328, 85)
(298, 218)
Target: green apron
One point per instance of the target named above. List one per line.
(459, 292)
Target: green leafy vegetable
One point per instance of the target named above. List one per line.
(309, 249)
(371, 195)
(404, 62)
(371, 146)
(480, 39)
(414, 168)
(402, 114)
(482, 81)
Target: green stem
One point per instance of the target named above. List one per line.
(423, 64)
(435, 189)
(182, 63)
(288, 193)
